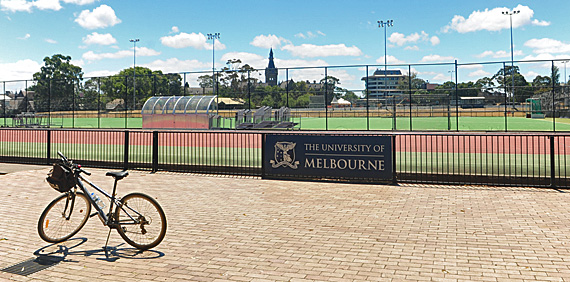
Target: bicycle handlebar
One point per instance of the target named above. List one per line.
(71, 164)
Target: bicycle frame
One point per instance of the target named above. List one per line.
(113, 202)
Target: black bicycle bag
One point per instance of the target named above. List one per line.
(60, 178)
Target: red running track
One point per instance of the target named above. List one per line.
(426, 143)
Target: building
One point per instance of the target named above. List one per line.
(271, 72)
(383, 83)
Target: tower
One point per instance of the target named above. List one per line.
(271, 72)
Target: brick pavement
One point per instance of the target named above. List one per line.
(247, 229)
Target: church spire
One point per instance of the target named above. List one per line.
(271, 71)
(271, 63)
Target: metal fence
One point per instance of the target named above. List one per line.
(425, 97)
(538, 160)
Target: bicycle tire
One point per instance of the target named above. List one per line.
(152, 229)
(53, 227)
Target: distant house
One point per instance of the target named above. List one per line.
(230, 103)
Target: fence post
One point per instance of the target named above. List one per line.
(263, 135)
(552, 163)
(126, 152)
(48, 146)
(394, 175)
(553, 99)
(367, 102)
(154, 151)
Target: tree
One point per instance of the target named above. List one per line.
(417, 83)
(56, 84)
(148, 83)
(485, 85)
(505, 77)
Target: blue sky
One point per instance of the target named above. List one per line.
(96, 33)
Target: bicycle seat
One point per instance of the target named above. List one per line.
(118, 175)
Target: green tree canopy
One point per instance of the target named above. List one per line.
(56, 84)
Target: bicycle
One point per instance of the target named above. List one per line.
(138, 218)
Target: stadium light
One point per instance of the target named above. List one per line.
(385, 25)
(213, 37)
(510, 14)
(134, 41)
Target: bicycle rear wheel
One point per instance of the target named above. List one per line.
(64, 217)
(141, 221)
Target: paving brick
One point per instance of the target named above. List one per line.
(248, 229)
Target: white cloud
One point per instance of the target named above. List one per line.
(26, 6)
(25, 37)
(141, 51)
(50, 41)
(479, 73)
(401, 39)
(492, 20)
(540, 23)
(413, 48)
(47, 5)
(80, 2)
(175, 29)
(23, 69)
(440, 77)
(175, 65)
(195, 40)
(268, 41)
(547, 45)
(434, 40)
(100, 73)
(310, 50)
(99, 39)
(470, 66)
(531, 74)
(16, 6)
(437, 58)
(254, 60)
(499, 54)
(101, 17)
(391, 60)
(309, 34)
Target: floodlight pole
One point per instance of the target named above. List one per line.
(565, 77)
(510, 14)
(385, 25)
(134, 41)
(213, 37)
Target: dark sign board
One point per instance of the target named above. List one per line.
(320, 156)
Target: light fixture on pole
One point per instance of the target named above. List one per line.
(134, 41)
(385, 25)
(213, 37)
(510, 14)
(451, 72)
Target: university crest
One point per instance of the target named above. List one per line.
(284, 155)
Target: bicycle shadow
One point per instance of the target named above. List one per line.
(63, 252)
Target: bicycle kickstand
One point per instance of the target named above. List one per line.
(106, 243)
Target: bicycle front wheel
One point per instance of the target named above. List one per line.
(64, 217)
(141, 221)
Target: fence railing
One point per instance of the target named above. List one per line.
(539, 160)
(402, 100)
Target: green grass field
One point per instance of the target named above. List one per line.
(356, 123)
(436, 123)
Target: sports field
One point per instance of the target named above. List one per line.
(436, 123)
(355, 123)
